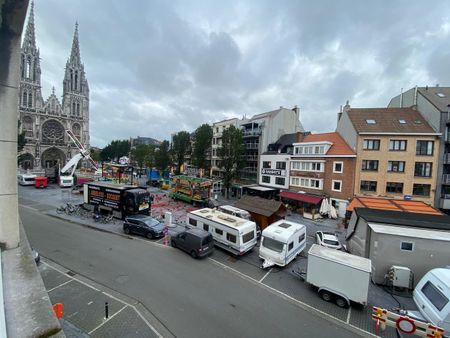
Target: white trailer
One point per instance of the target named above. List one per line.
(26, 179)
(230, 233)
(339, 276)
(281, 242)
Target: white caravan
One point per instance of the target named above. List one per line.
(230, 233)
(229, 209)
(26, 179)
(432, 297)
(281, 242)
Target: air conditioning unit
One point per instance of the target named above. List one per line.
(400, 276)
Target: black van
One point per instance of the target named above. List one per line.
(196, 242)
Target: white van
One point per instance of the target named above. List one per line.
(432, 297)
(65, 181)
(230, 233)
(281, 242)
(229, 209)
(26, 179)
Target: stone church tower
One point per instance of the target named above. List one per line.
(45, 122)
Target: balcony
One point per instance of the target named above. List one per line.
(251, 145)
(251, 132)
(251, 157)
(250, 170)
(446, 179)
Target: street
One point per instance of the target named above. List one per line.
(191, 298)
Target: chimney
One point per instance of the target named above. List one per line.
(415, 96)
(347, 106)
(296, 109)
(339, 115)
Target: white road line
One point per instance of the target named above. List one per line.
(348, 315)
(64, 273)
(264, 277)
(304, 305)
(107, 320)
(66, 282)
(115, 298)
(90, 302)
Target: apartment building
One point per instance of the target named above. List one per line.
(397, 152)
(323, 165)
(218, 128)
(434, 104)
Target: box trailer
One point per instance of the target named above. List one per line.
(339, 276)
(121, 200)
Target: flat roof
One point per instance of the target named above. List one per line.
(341, 257)
(437, 235)
(393, 204)
(282, 229)
(221, 217)
(112, 185)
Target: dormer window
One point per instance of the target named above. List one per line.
(417, 122)
(371, 121)
(440, 94)
(401, 121)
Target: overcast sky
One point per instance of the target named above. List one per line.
(158, 67)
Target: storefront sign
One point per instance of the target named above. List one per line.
(273, 172)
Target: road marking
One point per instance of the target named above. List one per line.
(67, 282)
(90, 302)
(260, 281)
(111, 296)
(295, 301)
(108, 319)
(64, 273)
(348, 314)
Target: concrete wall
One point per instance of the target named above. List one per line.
(385, 251)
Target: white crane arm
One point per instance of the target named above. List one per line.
(72, 164)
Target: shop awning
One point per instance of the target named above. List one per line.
(307, 198)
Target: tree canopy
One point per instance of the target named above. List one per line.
(180, 146)
(115, 150)
(162, 156)
(143, 154)
(231, 154)
(202, 143)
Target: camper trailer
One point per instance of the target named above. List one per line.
(230, 233)
(26, 179)
(432, 297)
(229, 209)
(281, 242)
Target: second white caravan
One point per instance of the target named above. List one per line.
(231, 233)
(281, 242)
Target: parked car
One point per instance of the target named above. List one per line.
(328, 239)
(143, 225)
(198, 243)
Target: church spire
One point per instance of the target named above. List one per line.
(29, 41)
(75, 58)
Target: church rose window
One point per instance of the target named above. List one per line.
(52, 132)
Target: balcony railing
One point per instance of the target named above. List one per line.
(251, 145)
(249, 133)
(251, 158)
(249, 170)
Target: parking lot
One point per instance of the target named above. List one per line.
(278, 280)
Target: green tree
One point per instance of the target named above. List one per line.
(95, 155)
(231, 154)
(162, 156)
(202, 143)
(115, 150)
(180, 146)
(142, 154)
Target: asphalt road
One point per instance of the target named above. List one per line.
(192, 298)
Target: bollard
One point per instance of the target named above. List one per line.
(106, 310)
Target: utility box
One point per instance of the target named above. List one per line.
(400, 276)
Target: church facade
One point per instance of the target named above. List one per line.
(45, 122)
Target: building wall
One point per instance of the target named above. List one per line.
(385, 251)
(218, 129)
(383, 155)
(273, 173)
(358, 228)
(347, 131)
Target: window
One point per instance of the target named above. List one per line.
(291, 246)
(401, 121)
(368, 186)
(319, 150)
(272, 244)
(370, 165)
(371, 145)
(421, 189)
(440, 94)
(424, 148)
(307, 182)
(307, 166)
(24, 99)
(316, 184)
(267, 164)
(281, 165)
(248, 236)
(218, 231)
(193, 222)
(407, 246)
(206, 227)
(231, 238)
(434, 295)
(394, 187)
(301, 238)
(214, 140)
(423, 169)
(338, 167)
(30, 100)
(371, 121)
(279, 180)
(265, 179)
(396, 166)
(295, 181)
(397, 145)
(336, 185)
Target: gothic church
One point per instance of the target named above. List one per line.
(45, 122)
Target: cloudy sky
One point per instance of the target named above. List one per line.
(158, 67)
